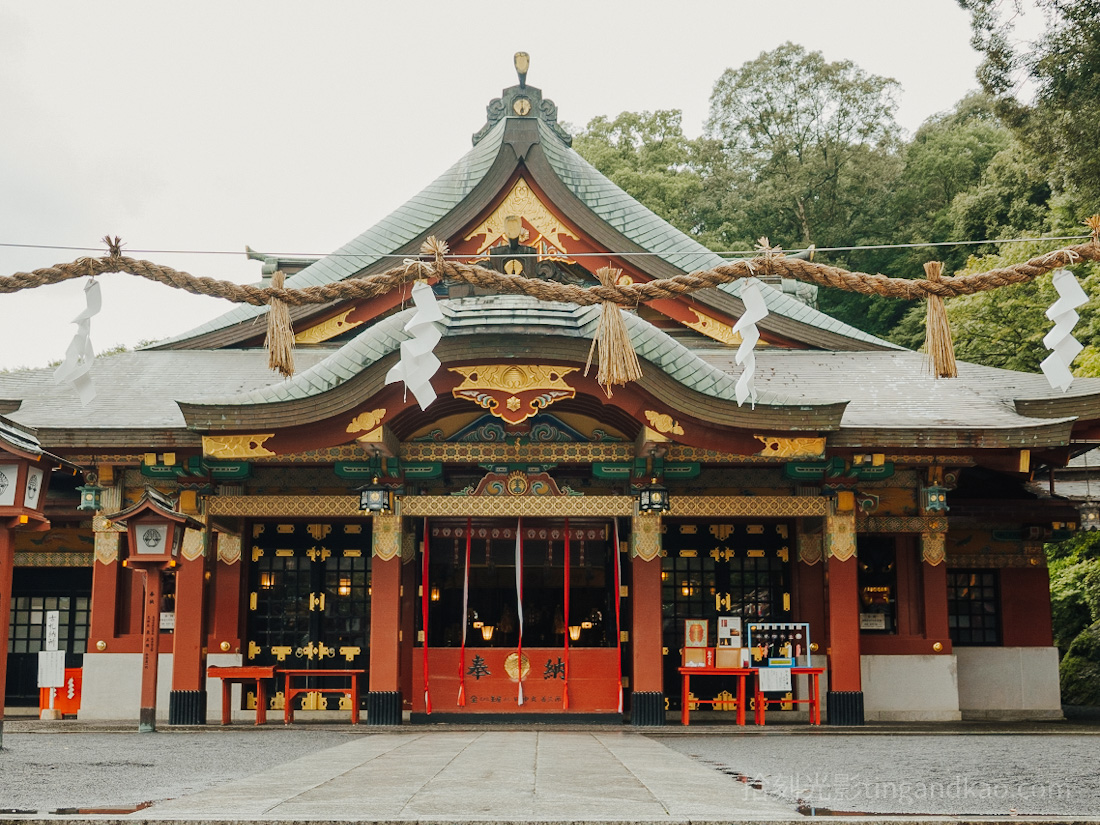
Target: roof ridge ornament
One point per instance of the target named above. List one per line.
(522, 101)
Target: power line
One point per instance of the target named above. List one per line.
(729, 253)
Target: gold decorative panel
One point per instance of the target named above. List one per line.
(742, 506)
(466, 452)
(284, 506)
(327, 329)
(106, 547)
(810, 549)
(663, 423)
(365, 422)
(902, 524)
(777, 447)
(193, 545)
(523, 203)
(386, 536)
(236, 446)
(840, 536)
(512, 506)
(513, 392)
(933, 549)
(229, 548)
(645, 536)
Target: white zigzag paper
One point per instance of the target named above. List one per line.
(80, 355)
(755, 311)
(1064, 347)
(418, 364)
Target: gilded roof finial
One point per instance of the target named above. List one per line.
(523, 63)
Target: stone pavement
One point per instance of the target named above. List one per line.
(492, 775)
(499, 775)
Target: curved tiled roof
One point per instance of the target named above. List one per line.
(508, 315)
(619, 210)
(654, 234)
(400, 227)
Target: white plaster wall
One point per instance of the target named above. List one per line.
(112, 688)
(1009, 683)
(910, 688)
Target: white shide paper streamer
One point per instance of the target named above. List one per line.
(755, 311)
(418, 364)
(79, 356)
(1064, 347)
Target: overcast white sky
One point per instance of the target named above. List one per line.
(293, 127)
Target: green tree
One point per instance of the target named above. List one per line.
(648, 156)
(810, 141)
(1061, 124)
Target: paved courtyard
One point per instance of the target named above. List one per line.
(720, 774)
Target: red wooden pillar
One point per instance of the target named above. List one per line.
(385, 628)
(845, 697)
(7, 566)
(934, 592)
(150, 648)
(384, 693)
(647, 700)
(187, 700)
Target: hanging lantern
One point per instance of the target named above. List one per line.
(653, 498)
(1090, 515)
(487, 632)
(934, 498)
(91, 496)
(375, 497)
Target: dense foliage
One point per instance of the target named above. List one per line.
(804, 151)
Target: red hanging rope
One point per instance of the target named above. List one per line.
(465, 620)
(424, 602)
(565, 689)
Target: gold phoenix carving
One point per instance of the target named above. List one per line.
(663, 423)
(713, 328)
(327, 329)
(236, 446)
(522, 202)
(777, 447)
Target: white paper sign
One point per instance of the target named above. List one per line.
(151, 539)
(51, 668)
(34, 488)
(167, 620)
(53, 624)
(774, 679)
(9, 475)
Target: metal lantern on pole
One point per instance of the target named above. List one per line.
(25, 470)
(154, 531)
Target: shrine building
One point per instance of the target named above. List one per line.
(539, 546)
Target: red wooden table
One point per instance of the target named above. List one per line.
(351, 691)
(241, 675)
(814, 701)
(688, 672)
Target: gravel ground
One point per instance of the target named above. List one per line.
(944, 774)
(46, 771)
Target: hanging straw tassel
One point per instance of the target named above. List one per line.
(618, 361)
(280, 332)
(937, 333)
